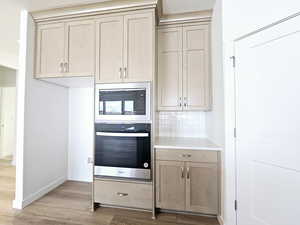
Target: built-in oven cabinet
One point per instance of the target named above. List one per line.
(65, 49)
(184, 77)
(187, 180)
(125, 47)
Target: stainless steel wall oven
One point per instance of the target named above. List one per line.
(123, 150)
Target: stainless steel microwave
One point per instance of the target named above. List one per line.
(123, 102)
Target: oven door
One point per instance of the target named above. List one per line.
(122, 102)
(125, 155)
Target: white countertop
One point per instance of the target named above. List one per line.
(186, 143)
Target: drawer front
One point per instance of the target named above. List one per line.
(187, 155)
(123, 194)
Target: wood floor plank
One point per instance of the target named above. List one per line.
(70, 204)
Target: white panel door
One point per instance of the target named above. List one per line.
(138, 47)
(109, 50)
(268, 126)
(7, 121)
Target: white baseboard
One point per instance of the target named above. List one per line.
(220, 220)
(40, 193)
(80, 179)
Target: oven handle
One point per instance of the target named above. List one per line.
(110, 134)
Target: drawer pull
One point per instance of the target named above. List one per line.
(182, 172)
(122, 194)
(186, 155)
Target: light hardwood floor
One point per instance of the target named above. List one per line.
(69, 204)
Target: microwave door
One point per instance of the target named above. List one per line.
(124, 104)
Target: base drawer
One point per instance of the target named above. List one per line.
(187, 155)
(136, 195)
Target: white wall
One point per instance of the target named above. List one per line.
(42, 130)
(81, 133)
(215, 119)
(9, 26)
(7, 77)
(242, 17)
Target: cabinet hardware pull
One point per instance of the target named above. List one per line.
(188, 155)
(61, 67)
(183, 155)
(65, 67)
(182, 172)
(122, 194)
(125, 72)
(120, 72)
(188, 173)
(180, 104)
(185, 101)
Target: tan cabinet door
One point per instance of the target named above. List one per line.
(80, 48)
(196, 67)
(109, 50)
(50, 48)
(170, 185)
(170, 69)
(202, 187)
(138, 47)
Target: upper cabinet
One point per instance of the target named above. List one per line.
(184, 78)
(50, 49)
(113, 41)
(125, 48)
(65, 49)
(109, 53)
(80, 48)
(170, 68)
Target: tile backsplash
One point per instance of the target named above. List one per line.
(181, 124)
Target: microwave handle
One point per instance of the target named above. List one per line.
(110, 134)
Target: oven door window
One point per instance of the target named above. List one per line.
(127, 152)
(127, 102)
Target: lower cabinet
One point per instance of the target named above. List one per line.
(187, 186)
(119, 193)
(202, 188)
(170, 181)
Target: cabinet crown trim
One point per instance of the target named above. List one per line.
(199, 16)
(92, 9)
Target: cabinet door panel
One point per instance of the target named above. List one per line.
(202, 188)
(50, 50)
(138, 47)
(170, 185)
(196, 68)
(170, 69)
(80, 51)
(109, 49)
